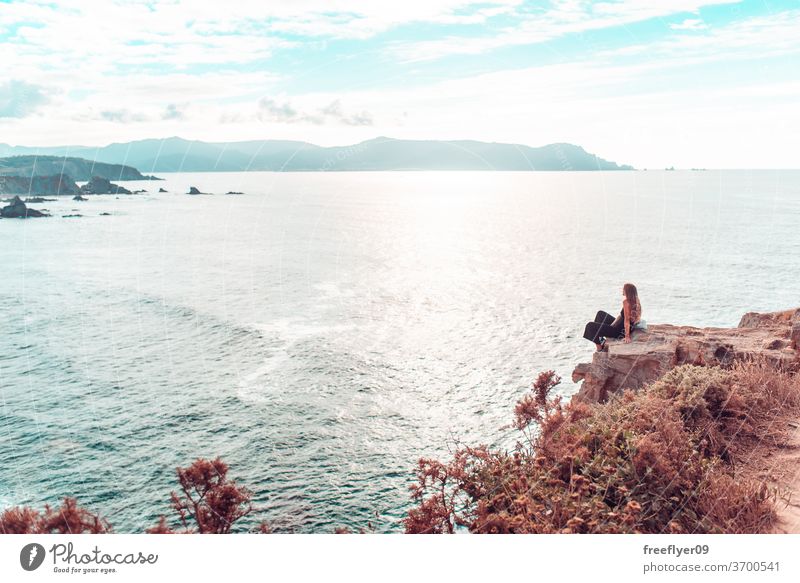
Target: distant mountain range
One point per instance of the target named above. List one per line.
(177, 154)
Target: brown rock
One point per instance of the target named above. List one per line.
(757, 320)
(774, 344)
(663, 346)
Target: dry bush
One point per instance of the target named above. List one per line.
(69, 518)
(208, 502)
(663, 459)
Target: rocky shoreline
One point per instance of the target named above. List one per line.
(773, 336)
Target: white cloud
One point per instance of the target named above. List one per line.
(689, 24)
(122, 116)
(606, 101)
(562, 19)
(20, 99)
(335, 111)
(757, 37)
(174, 111)
(271, 110)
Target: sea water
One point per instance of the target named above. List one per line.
(323, 331)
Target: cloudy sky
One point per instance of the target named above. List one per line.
(705, 83)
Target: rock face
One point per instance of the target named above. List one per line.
(18, 210)
(79, 168)
(773, 336)
(59, 184)
(100, 185)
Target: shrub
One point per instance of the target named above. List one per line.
(208, 502)
(69, 518)
(663, 459)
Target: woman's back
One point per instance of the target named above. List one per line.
(631, 303)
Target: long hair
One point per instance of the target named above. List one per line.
(632, 295)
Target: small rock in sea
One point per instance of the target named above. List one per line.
(18, 210)
(142, 191)
(78, 197)
(105, 214)
(31, 199)
(70, 216)
(233, 192)
(193, 190)
(162, 190)
(100, 185)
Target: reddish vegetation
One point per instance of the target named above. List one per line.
(671, 457)
(684, 454)
(68, 519)
(208, 502)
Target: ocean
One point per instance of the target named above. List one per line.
(323, 331)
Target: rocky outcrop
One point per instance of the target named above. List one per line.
(773, 336)
(18, 210)
(193, 190)
(162, 190)
(58, 184)
(100, 185)
(78, 168)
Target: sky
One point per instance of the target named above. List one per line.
(652, 83)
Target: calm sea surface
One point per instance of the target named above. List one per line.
(323, 331)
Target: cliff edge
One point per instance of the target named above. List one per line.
(774, 336)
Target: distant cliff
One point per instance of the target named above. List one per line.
(176, 154)
(78, 169)
(58, 184)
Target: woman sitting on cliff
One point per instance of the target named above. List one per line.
(606, 326)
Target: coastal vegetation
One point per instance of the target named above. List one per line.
(681, 455)
(208, 502)
(677, 456)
